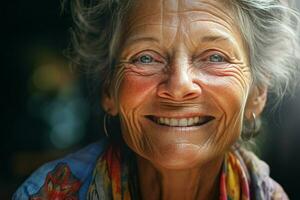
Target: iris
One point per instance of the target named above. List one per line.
(145, 59)
(216, 58)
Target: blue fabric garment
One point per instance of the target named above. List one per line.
(81, 164)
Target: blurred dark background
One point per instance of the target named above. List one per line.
(49, 111)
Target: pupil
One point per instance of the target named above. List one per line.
(146, 59)
(216, 58)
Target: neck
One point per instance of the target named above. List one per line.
(201, 182)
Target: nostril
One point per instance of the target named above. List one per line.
(190, 95)
(179, 84)
(180, 93)
(164, 95)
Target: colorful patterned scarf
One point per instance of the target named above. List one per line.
(234, 183)
(111, 178)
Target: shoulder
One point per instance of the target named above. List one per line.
(72, 172)
(261, 184)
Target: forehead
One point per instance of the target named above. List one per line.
(167, 18)
(167, 9)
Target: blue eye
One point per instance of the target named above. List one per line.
(145, 59)
(148, 59)
(216, 58)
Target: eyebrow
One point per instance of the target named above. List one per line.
(138, 39)
(215, 39)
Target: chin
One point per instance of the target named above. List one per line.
(180, 156)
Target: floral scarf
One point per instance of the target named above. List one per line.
(110, 178)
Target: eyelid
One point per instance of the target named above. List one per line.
(206, 54)
(156, 56)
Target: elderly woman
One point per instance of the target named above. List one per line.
(185, 81)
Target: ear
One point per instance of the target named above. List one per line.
(109, 104)
(256, 101)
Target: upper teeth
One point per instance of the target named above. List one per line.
(180, 122)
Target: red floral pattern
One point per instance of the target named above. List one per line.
(60, 184)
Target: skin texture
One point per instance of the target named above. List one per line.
(198, 67)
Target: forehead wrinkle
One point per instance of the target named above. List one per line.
(177, 14)
(170, 5)
(187, 14)
(191, 9)
(208, 34)
(209, 16)
(197, 11)
(160, 17)
(188, 6)
(211, 7)
(229, 29)
(169, 14)
(137, 27)
(185, 33)
(131, 22)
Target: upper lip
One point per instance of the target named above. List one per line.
(199, 120)
(179, 115)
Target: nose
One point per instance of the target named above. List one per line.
(179, 85)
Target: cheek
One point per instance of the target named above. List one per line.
(228, 84)
(229, 88)
(134, 93)
(131, 87)
(134, 90)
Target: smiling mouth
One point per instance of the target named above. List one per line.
(181, 122)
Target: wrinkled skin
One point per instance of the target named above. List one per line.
(182, 58)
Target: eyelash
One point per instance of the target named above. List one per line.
(223, 59)
(205, 59)
(137, 57)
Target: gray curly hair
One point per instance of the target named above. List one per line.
(271, 31)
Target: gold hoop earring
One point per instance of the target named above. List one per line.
(251, 130)
(105, 119)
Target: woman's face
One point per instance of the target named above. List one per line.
(182, 83)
